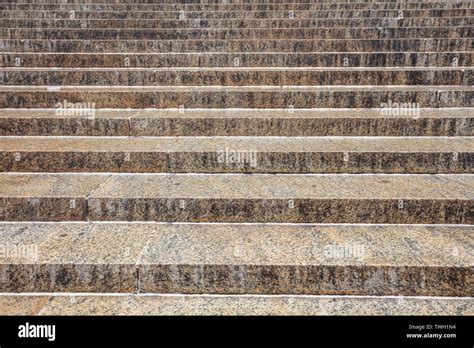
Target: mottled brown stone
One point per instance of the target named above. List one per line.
(250, 59)
(237, 76)
(236, 96)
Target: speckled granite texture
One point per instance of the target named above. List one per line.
(233, 258)
(224, 122)
(234, 46)
(333, 198)
(237, 155)
(111, 304)
(258, 157)
(137, 97)
(236, 76)
(244, 59)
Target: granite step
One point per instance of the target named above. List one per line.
(238, 59)
(239, 259)
(293, 198)
(67, 121)
(238, 46)
(288, 6)
(277, 14)
(248, 305)
(236, 33)
(355, 155)
(237, 76)
(185, 2)
(236, 23)
(139, 97)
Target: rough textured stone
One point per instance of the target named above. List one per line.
(234, 258)
(237, 155)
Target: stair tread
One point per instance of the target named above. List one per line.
(257, 144)
(134, 254)
(239, 113)
(169, 304)
(235, 186)
(264, 88)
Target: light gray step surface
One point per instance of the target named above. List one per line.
(308, 198)
(238, 154)
(69, 120)
(248, 305)
(239, 259)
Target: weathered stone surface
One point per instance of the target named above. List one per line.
(233, 258)
(45, 197)
(35, 22)
(236, 7)
(252, 59)
(238, 76)
(236, 96)
(111, 304)
(65, 122)
(282, 14)
(223, 122)
(363, 122)
(237, 155)
(234, 46)
(237, 33)
(284, 198)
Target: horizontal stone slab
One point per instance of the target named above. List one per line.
(221, 59)
(232, 259)
(282, 14)
(237, 76)
(184, 2)
(237, 46)
(237, 33)
(234, 23)
(223, 122)
(46, 198)
(171, 304)
(237, 7)
(235, 96)
(307, 198)
(237, 155)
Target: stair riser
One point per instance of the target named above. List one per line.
(239, 34)
(239, 7)
(427, 211)
(239, 279)
(392, 126)
(231, 99)
(248, 23)
(285, 14)
(257, 162)
(349, 280)
(187, 2)
(236, 78)
(206, 46)
(98, 60)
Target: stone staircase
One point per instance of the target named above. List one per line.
(307, 157)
